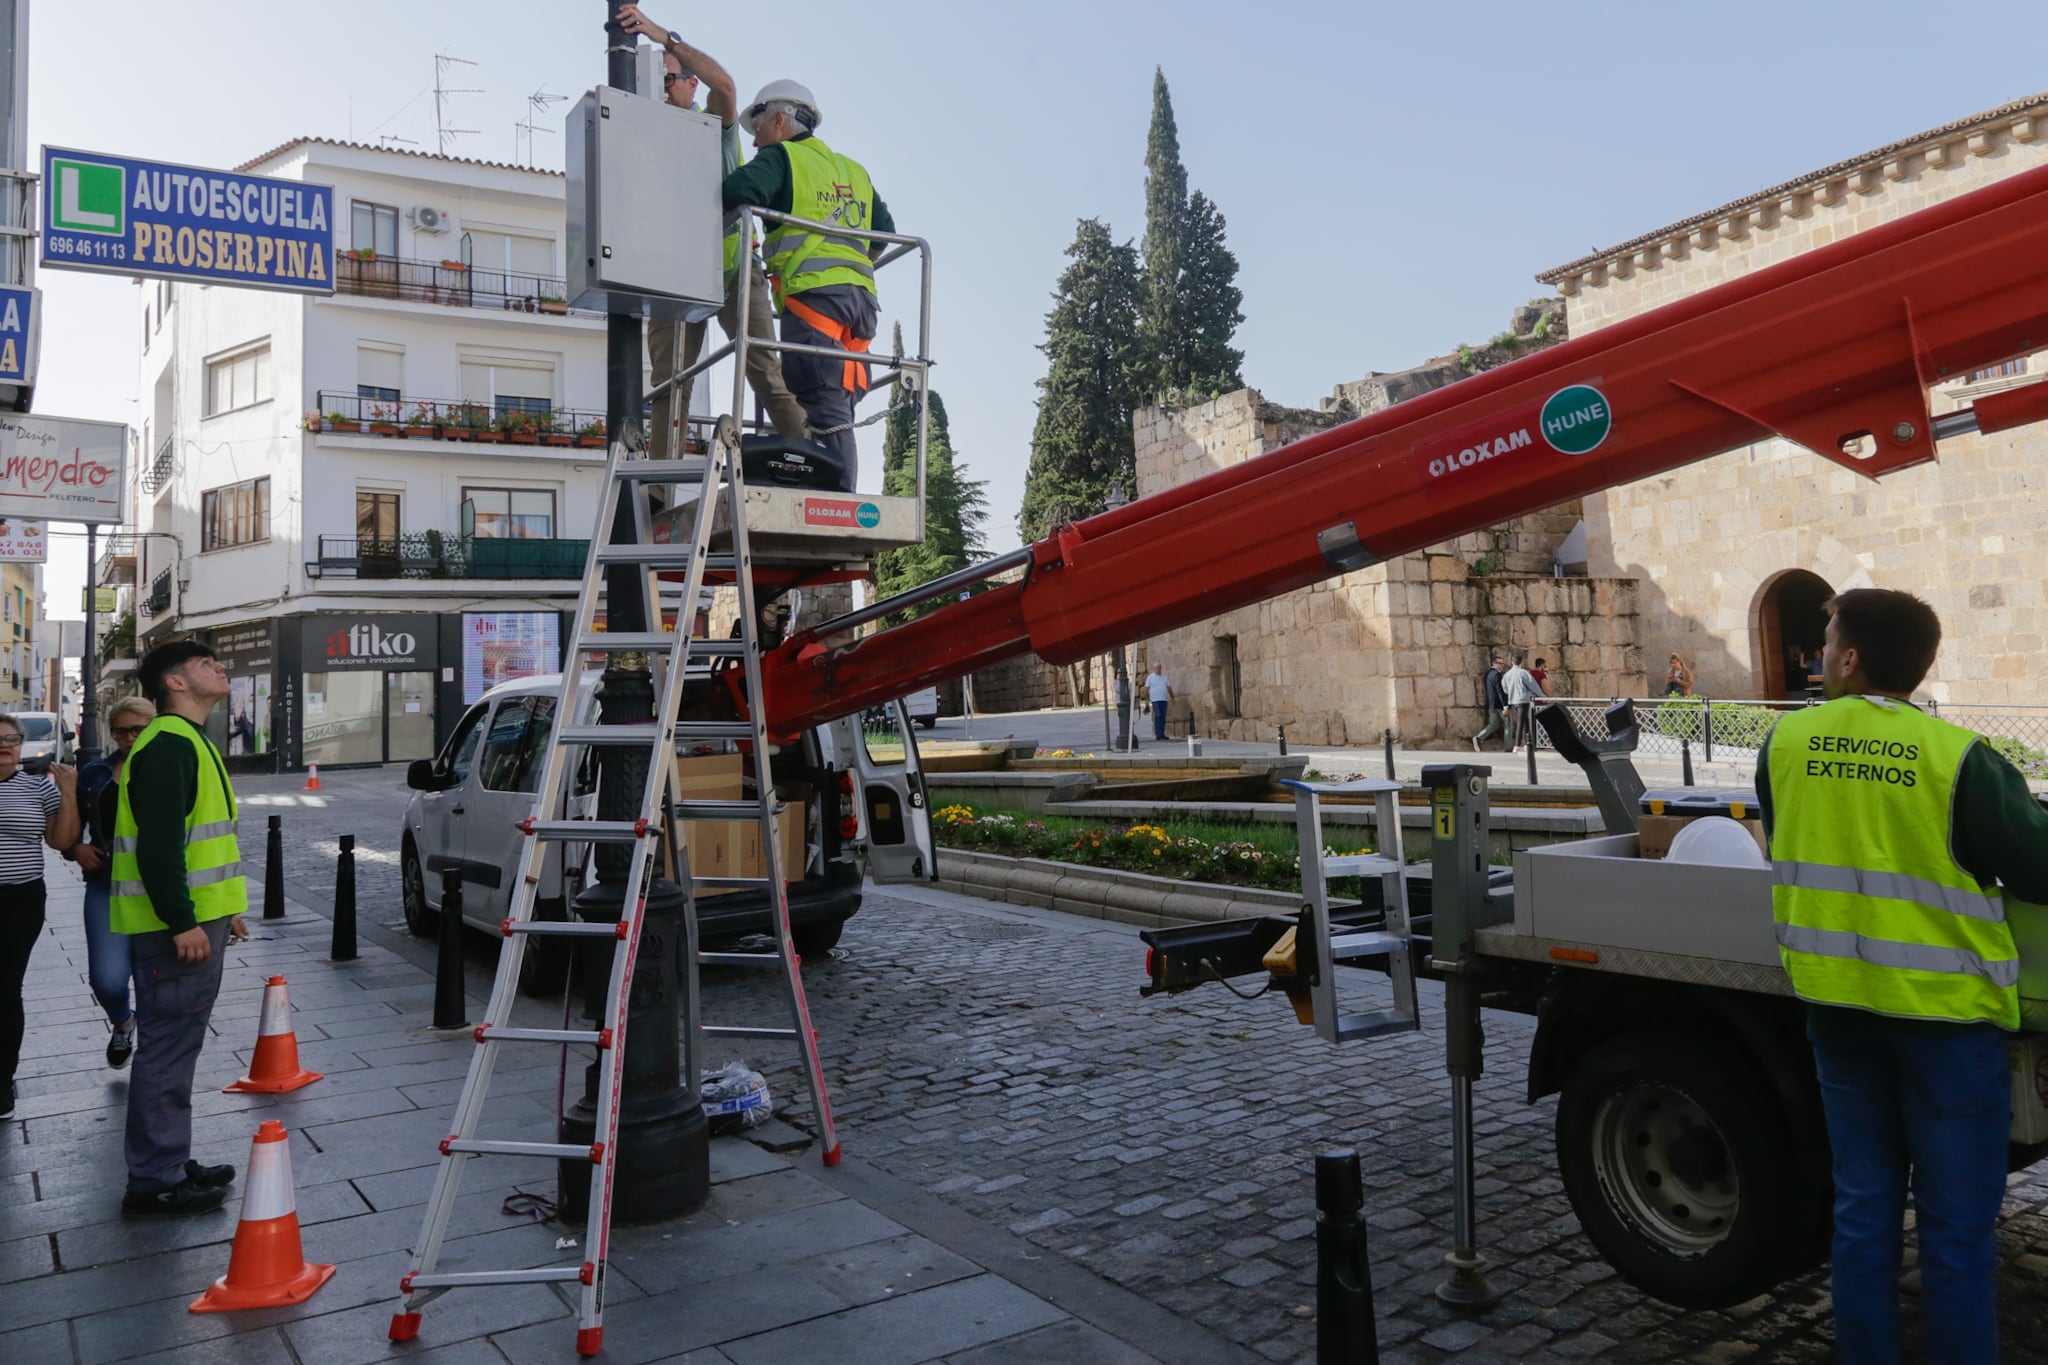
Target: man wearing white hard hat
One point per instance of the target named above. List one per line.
(688, 68)
(824, 280)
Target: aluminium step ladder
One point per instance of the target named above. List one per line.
(658, 833)
(1331, 945)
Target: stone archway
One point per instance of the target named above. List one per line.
(1786, 628)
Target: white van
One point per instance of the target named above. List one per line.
(863, 814)
(45, 739)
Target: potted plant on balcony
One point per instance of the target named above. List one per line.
(553, 430)
(360, 253)
(312, 420)
(337, 422)
(553, 303)
(518, 428)
(473, 423)
(422, 422)
(454, 265)
(383, 419)
(591, 434)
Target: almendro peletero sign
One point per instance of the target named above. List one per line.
(119, 216)
(58, 469)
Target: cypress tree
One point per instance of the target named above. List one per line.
(1166, 202)
(1210, 304)
(1081, 443)
(955, 507)
(1192, 302)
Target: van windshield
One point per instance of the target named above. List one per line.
(37, 727)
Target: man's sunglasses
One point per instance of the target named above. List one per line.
(669, 78)
(129, 731)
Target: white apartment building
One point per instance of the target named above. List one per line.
(374, 504)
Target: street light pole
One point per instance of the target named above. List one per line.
(664, 1149)
(1120, 681)
(88, 705)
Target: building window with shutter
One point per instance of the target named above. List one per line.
(509, 384)
(373, 227)
(239, 379)
(380, 372)
(238, 514)
(509, 513)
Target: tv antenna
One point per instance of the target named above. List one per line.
(443, 134)
(392, 139)
(536, 108)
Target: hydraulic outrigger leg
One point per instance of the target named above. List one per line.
(1458, 901)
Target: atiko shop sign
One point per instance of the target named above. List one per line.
(56, 469)
(345, 643)
(119, 216)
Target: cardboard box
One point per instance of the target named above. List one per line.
(1654, 833)
(732, 848)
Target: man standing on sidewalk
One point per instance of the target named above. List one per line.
(1160, 692)
(178, 892)
(1518, 689)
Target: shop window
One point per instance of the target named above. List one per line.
(509, 513)
(239, 380)
(236, 515)
(373, 227)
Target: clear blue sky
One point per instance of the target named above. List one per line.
(1459, 150)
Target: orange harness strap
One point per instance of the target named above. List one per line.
(855, 377)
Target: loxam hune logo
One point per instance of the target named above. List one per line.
(1575, 419)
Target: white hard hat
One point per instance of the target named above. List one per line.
(789, 92)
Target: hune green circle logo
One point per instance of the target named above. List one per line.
(1576, 419)
(867, 514)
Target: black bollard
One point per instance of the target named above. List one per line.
(449, 1007)
(1283, 741)
(273, 871)
(343, 949)
(1390, 756)
(1685, 761)
(1529, 724)
(1346, 1333)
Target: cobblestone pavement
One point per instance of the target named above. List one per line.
(1001, 1059)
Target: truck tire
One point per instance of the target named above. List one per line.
(412, 894)
(1680, 1168)
(817, 937)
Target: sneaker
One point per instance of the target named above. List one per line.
(212, 1177)
(1475, 744)
(181, 1200)
(7, 1104)
(121, 1046)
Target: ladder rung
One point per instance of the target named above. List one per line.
(739, 959)
(718, 810)
(1345, 946)
(745, 1031)
(643, 642)
(714, 729)
(490, 1033)
(662, 471)
(1354, 1026)
(740, 883)
(612, 736)
(559, 1151)
(589, 831)
(570, 927)
(458, 1279)
(1360, 865)
(662, 556)
(718, 649)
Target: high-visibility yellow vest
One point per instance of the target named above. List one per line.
(1872, 909)
(824, 187)
(213, 858)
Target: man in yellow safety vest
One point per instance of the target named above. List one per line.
(688, 68)
(1896, 839)
(178, 892)
(824, 279)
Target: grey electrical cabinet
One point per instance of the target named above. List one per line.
(645, 230)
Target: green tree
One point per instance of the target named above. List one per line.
(955, 507)
(1191, 298)
(1081, 443)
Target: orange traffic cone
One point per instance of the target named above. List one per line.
(312, 778)
(267, 1268)
(275, 1067)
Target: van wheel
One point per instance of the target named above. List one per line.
(412, 882)
(1680, 1167)
(816, 938)
(544, 970)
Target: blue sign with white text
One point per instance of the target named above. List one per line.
(118, 216)
(17, 336)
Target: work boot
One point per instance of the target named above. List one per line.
(212, 1177)
(181, 1200)
(121, 1046)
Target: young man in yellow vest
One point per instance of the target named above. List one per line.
(178, 892)
(824, 281)
(1896, 839)
(686, 69)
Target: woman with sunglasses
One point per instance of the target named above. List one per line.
(34, 811)
(107, 960)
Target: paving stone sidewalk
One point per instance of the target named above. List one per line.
(787, 1262)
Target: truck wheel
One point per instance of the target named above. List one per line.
(544, 970)
(1680, 1167)
(412, 883)
(816, 938)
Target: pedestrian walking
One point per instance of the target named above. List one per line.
(1896, 839)
(1496, 699)
(36, 812)
(1541, 675)
(178, 893)
(108, 962)
(1160, 692)
(1518, 690)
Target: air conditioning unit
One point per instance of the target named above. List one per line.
(425, 219)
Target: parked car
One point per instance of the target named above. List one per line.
(863, 814)
(45, 739)
(921, 706)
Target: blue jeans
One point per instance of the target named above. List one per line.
(108, 964)
(1929, 1112)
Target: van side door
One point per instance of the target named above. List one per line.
(501, 794)
(894, 810)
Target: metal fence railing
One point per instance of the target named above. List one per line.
(1733, 728)
(439, 554)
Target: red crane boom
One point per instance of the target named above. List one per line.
(1834, 349)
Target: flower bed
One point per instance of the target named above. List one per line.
(1248, 855)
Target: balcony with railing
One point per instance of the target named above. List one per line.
(117, 562)
(511, 421)
(157, 476)
(437, 554)
(159, 595)
(452, 284)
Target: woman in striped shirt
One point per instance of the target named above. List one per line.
(34, 812)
